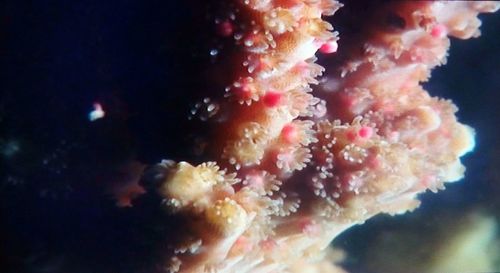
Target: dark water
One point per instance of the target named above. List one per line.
(141, 61)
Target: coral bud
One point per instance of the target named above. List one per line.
(289, 133)
(272, 98)
(329, 47)
(439, 31)
(365, 132)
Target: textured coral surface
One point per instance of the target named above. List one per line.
(297, 159)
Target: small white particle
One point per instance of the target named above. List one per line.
(97, 113)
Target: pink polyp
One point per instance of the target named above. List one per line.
(365, 132)
(439, 31)
(272, 98)
(289, 133)
(329, 47)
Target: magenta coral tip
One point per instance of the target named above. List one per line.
(329, 47)
(272, 98)
(439, 31)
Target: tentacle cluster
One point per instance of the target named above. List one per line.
(278, 44)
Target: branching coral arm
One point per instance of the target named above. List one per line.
(291, 171)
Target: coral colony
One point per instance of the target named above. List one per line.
(297, 159)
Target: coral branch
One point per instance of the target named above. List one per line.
(299, 169)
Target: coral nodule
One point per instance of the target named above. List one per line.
(297, 159)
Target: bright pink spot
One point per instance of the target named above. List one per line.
(439, 31)
(225, 28)
(329, 47)
(272, 98)
(365, 132)
(289, 133)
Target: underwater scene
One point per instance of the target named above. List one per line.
(249, 136)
